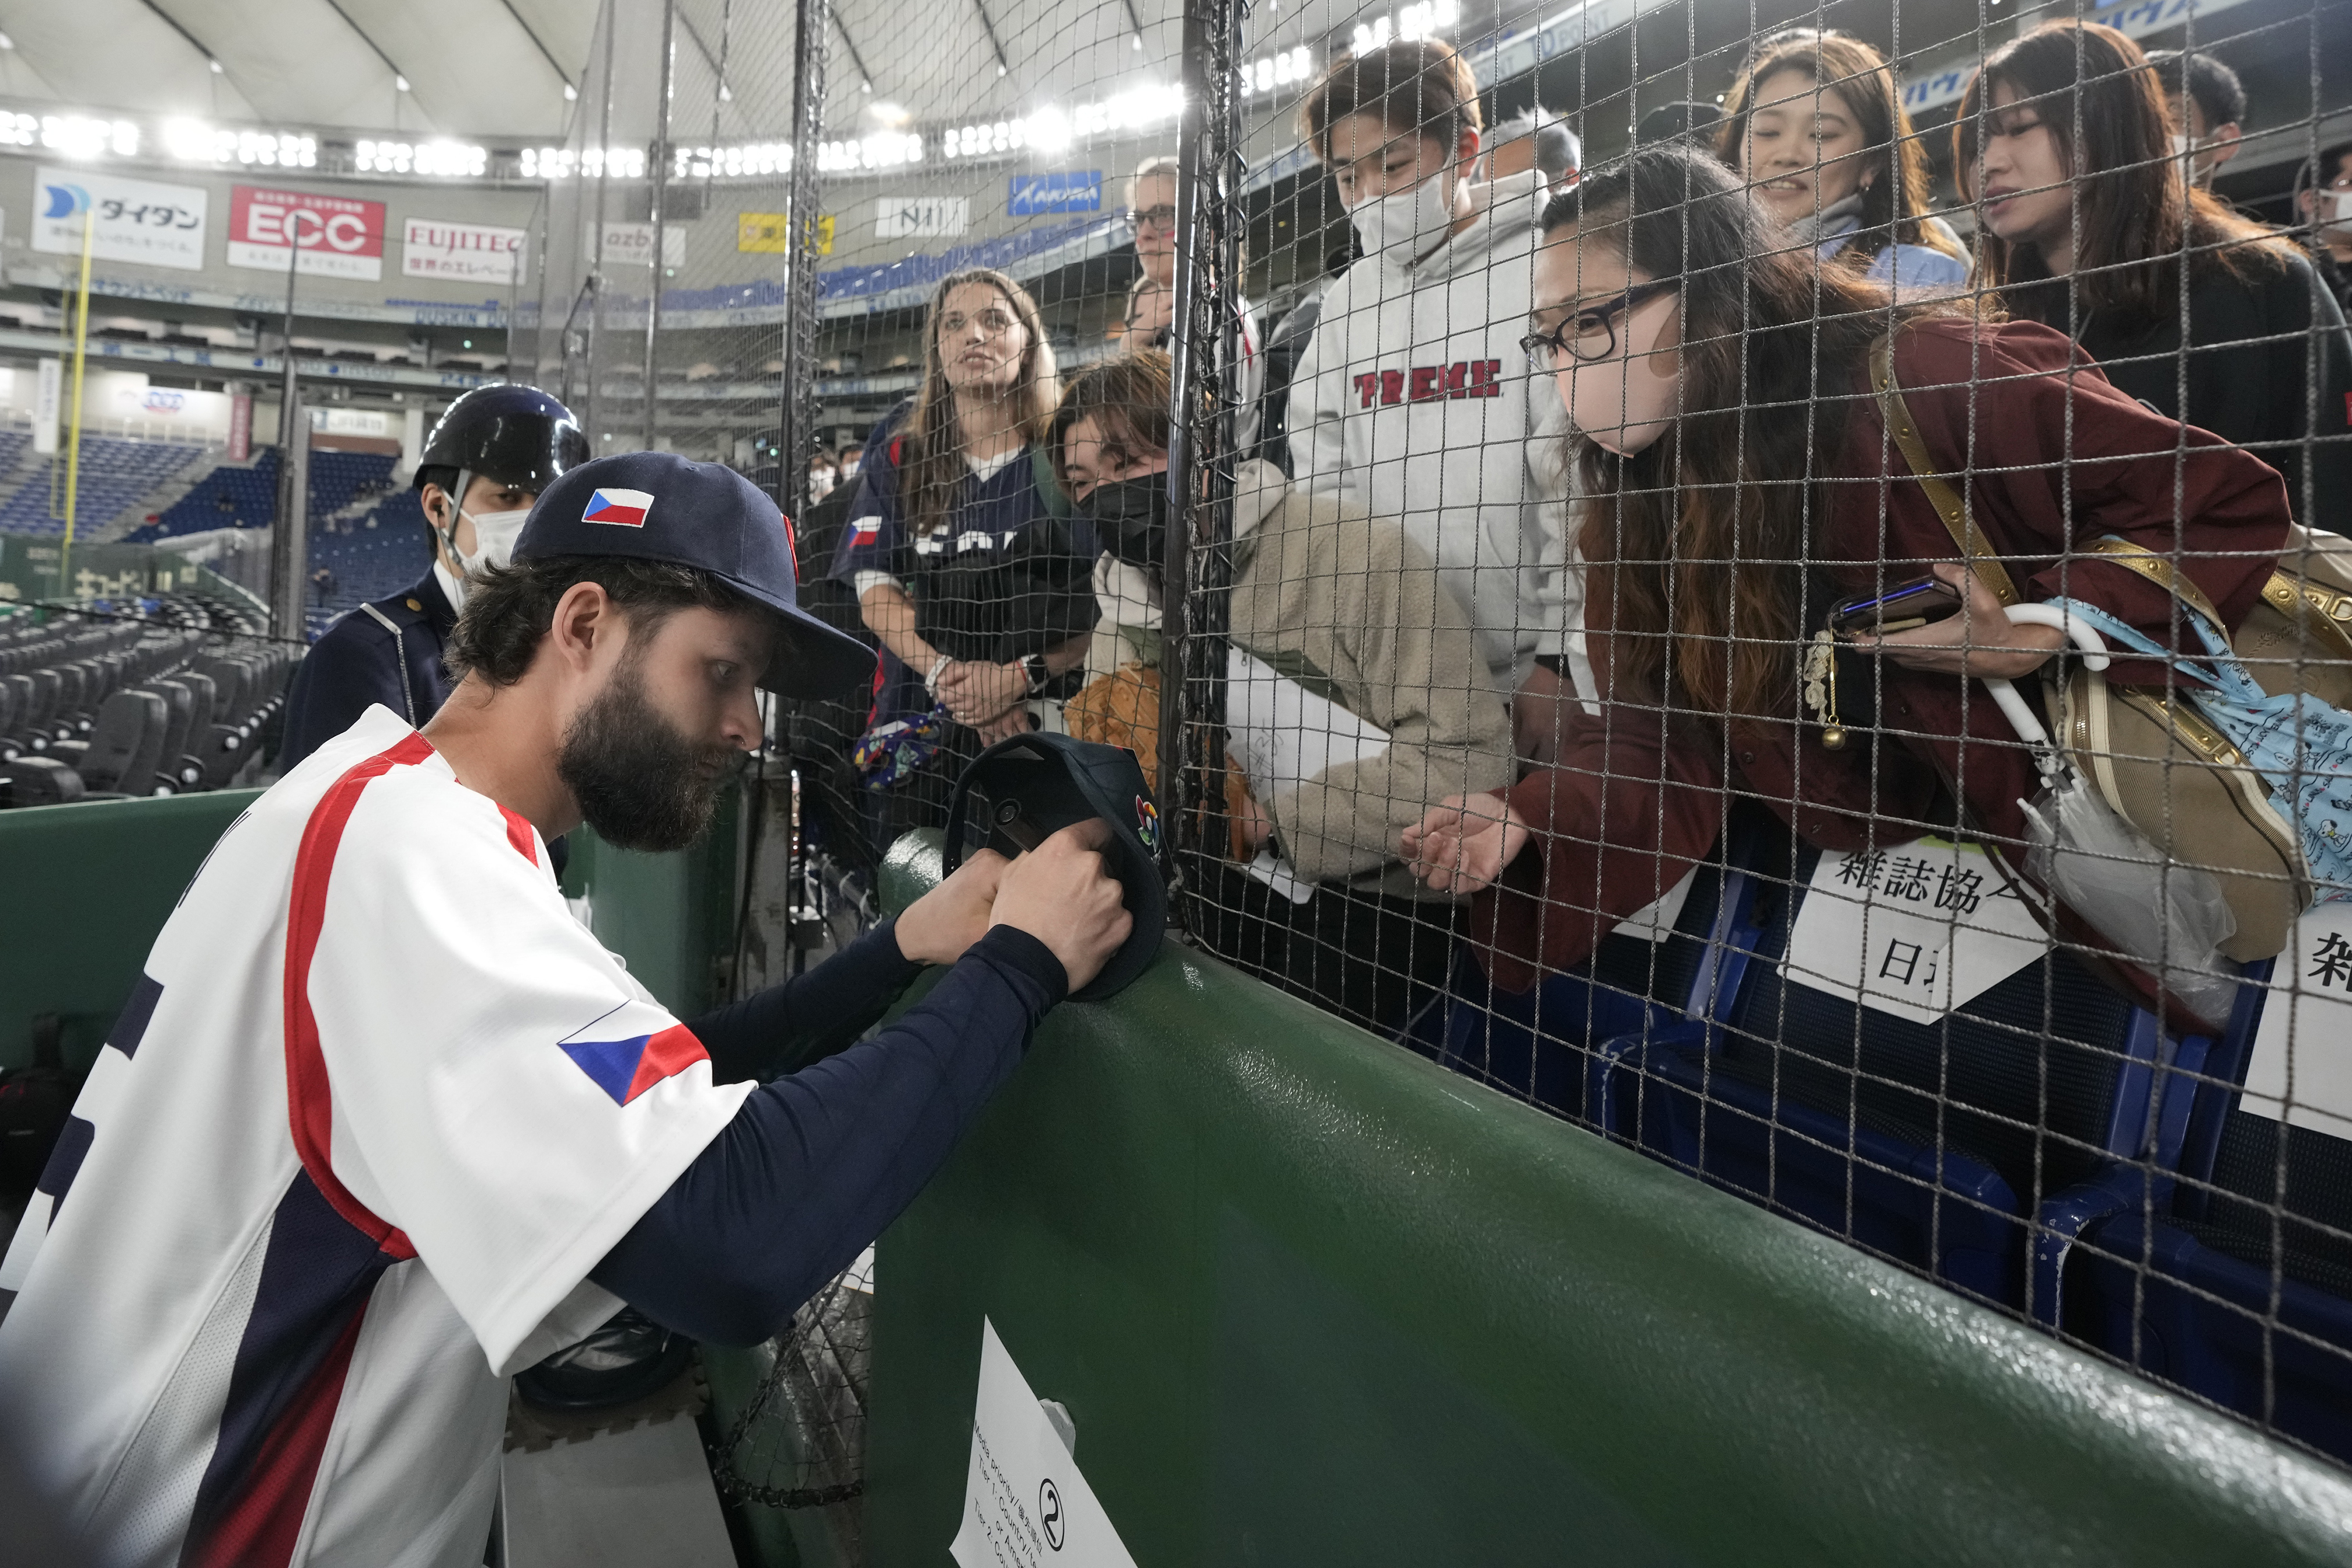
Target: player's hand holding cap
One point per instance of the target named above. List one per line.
(658, 505)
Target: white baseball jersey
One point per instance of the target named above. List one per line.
(376, 1108)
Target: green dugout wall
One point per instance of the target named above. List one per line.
(1311, 1299)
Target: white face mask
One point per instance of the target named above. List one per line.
(848, 471)
(494, 538)
(2184, 151)
(2335, 209)
(1407, 225)
(820, 484)
(1625, 402)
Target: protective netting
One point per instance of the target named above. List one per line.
(1474, 454)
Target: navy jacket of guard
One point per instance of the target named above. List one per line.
(360, 661)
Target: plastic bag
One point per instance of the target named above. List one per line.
(2169, 917)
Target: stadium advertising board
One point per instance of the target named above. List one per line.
(462, 253)
(1077, 191)
(338, 237)
(127, 220)
(904, 218)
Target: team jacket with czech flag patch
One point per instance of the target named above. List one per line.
(377, 1107)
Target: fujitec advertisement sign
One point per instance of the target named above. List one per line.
(462, 253)
(127, 220)
(337, 236)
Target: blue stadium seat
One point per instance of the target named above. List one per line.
(231, 496)
(1945, 1145)
(114, 476)
(1534, 1044)
(2183, 1285)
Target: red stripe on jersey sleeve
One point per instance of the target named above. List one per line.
(261, 1528)
(671, 1051)
(308, 1095)
(519, 835)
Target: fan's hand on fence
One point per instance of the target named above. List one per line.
(1463, 843)
(1012, 721)
(1256, 825)
(976, 691)
(1062, 894)
(938, 927)
(1981, 640)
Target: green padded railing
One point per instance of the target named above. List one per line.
(1312, 1300)
(85, 888)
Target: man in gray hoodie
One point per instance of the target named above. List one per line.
(1414, 401)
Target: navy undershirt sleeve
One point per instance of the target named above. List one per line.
(808, 1017)
(815, 1166)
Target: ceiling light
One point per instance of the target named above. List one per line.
(1139, 40)
(866, 87)
(571, 93)
(216, 67)
(400, 82)
(6, 42)
(726, 93)
(1000, 70)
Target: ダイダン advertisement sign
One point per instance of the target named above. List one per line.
(462, 253)
(124, 220)
(337, 236)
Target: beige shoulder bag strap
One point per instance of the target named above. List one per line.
(1948, 502)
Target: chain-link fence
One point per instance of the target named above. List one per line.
(1765, 579)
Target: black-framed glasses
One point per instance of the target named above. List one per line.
(1589, 334)
(1161, 217)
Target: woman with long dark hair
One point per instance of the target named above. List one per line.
(2064, 143)
(974, 586)
(1815, 122)
(1739, 477)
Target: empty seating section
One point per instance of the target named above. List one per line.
(2045, 1146)
(232, 496)
(367, 565)
(114, 476)
(340, 478)
(180, 701)
(244, 495)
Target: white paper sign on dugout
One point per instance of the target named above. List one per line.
(1915, 931)
(2307, 1020)
(1024, 1504)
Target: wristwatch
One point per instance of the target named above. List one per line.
(1034, 671)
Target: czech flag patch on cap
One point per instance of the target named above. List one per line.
(622, 508)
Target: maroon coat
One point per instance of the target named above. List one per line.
(2055, 455)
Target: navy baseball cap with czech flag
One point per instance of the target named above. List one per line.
(656, 505)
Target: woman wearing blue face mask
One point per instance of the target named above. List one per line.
(485, 464)
(1411, 400)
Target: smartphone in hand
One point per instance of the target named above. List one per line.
(1900, 609)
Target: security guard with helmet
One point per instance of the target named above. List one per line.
(485, 464)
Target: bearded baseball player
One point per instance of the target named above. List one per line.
(383, 1122)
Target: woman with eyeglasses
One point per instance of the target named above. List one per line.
(1151, 316)
(959, 548)
(1411, 400)
(1816, 123)
(1740, 478)
(2065, 142)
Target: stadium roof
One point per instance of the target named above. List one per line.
(472, 67)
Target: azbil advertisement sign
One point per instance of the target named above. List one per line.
(338, 237)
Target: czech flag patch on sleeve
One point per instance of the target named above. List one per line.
(626, 1068)
(622, 508)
